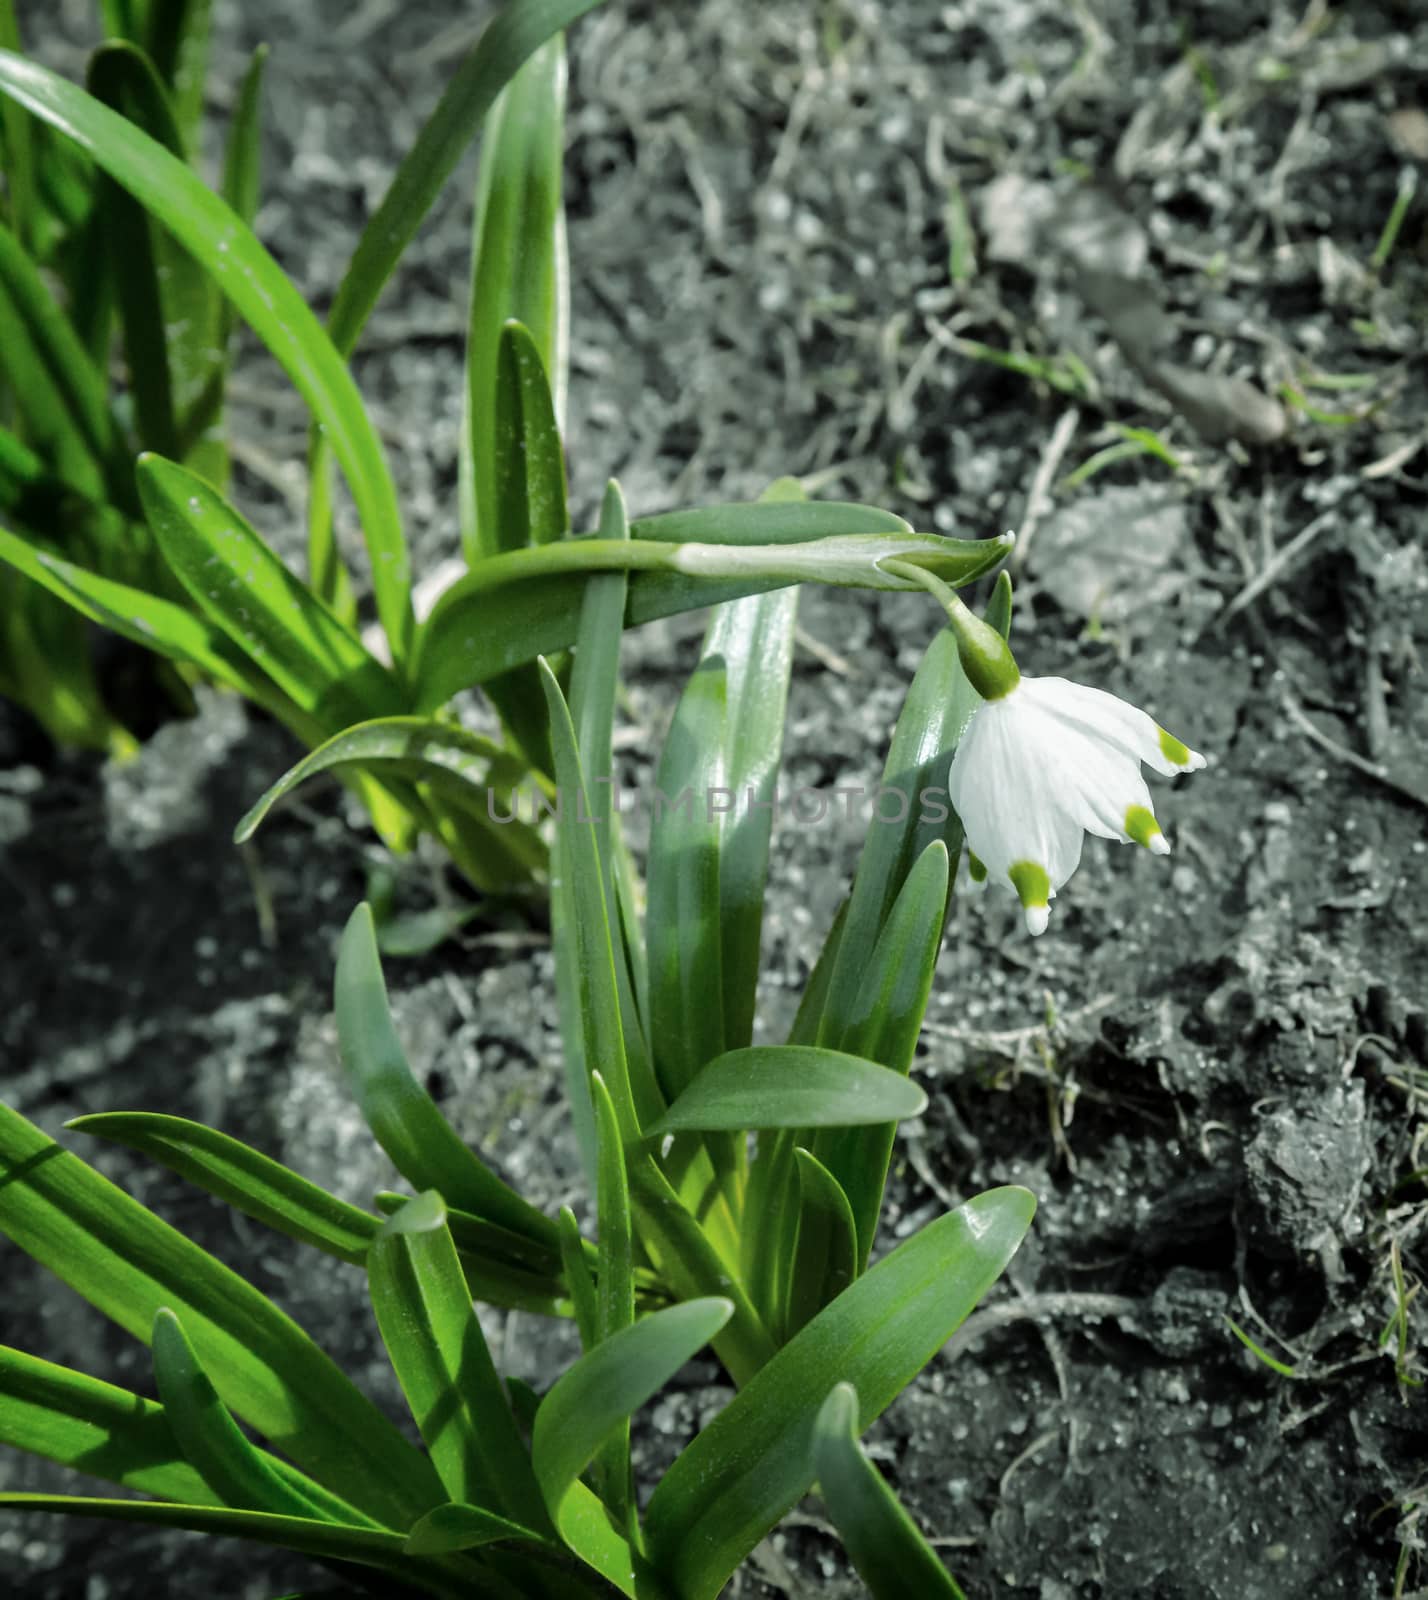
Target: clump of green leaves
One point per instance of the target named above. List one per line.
(160, 556)
(737, 1188)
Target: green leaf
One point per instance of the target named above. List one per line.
(607, 1384)
(462, 1527)
(93, 1427)
(884, 1024)
(58, 390)
(766, 521)
(155, 623)
(937, 708)
(754, 637)
(616, 1290)
(529, 461)
(825, 1253)
(513, 36)
(591, 962)
(327, 1541)
(790, 1086)
(577, 1276)
(403, 1117)
(220, 242)
(18, 144)
(891, 1556)
(238, 1474)
(242, 155)
(127, 1263)
(739, 1476)
(444, 1366)
(247, 1180)
(273, 617)
(123, 78)
(518, 274)
(682, 930)
(177, 40)
(463, 770)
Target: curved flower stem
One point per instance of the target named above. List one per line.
(986, 657)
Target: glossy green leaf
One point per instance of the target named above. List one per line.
(937, 708)
(579, 1279)
(177, 39)
(616, 1293)
(739, 1476)
(221, 243)
(123, 78)
(327, 1541)
(242, 153)
(682, 927)
(59, 391)
(237, 581)
(529, 461)
(246, 1179)
(444, 1366)
(607, 1384)
(234, 1469)
(825, 1252)
(884, 1024)
(527, 602)
(790, 1086)
(93, 1427)
(155, 623)
(891, 1556)
(754, 638)
(18, 144)
(518, 274)
(584, 916)
(128, 1263)
(463, 1527)
(46, 666)
(513, 36)
(403, 1117)
(767, 521)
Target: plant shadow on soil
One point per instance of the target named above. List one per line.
(1209, 1070)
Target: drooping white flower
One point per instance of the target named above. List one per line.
(1042, 764)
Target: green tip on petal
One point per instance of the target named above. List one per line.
(976, 870)
(1181, 754)
(1143, 829)
(1033, 889)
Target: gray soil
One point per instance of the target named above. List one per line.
(1210, 1070)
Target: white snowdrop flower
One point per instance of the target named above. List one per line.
(1046, 761)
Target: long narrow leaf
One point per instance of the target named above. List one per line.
(403, 1117)
(442, 1361)
(825, 1253)
(226, 249)
(246, 1179)
(128, 1263)
(743, 1472)
(891, 1556)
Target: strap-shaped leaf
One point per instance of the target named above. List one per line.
(177, 38)
(327, 1541)
(743, 1472)
(608, 1383)
(825, 1252)
(682, 928)
(767, 520)
(515, 35)
(249, 1181)
(94, 1427)
(527, 602)
(128, 1263)
(235, 1470)
(444, 1366)
(891, 1556)
(155, 623)
(19, 146)
(123, 78)
(236, 580)
(754, 637)
(421, 1142)
(529, 458)
(56, 386)
(616, 1291)
(884, 1026)
(221, 243)
(463, 1527)
(584, 916)
(517, 274)
(937, 708)
(790, 1086)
